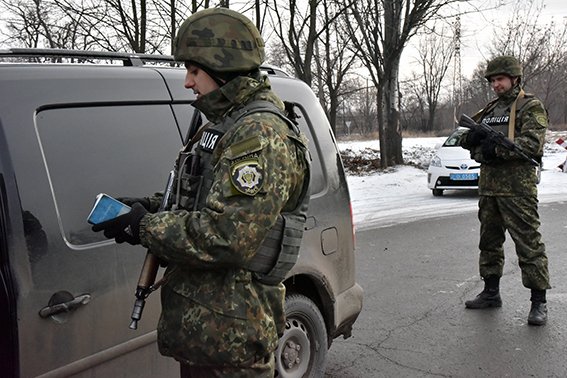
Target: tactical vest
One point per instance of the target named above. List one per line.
(194, 178)
(505, 123)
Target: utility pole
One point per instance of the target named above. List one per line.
(457, 74)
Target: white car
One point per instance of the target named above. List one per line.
(452, 167)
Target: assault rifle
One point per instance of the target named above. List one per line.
(146, 282)
(497, 136)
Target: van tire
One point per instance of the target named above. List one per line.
(302, 349)
(437, 192)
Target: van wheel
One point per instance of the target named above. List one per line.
(437, 192)
(302, 350)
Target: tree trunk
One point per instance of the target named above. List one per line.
(431, 118)
(380, 106)
(333, 109)
(391, 138)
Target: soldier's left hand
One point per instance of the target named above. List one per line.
(475, 137)
(144, 201)
(124, 228)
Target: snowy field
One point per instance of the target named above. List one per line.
(401, 195)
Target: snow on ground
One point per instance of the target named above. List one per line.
(400, 194)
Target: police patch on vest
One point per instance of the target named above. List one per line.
(209, 140)
(247, 176)
(497, 120)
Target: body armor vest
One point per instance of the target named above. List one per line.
(194, 178)
(504, 122)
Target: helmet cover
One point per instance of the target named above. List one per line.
(220, 39)
(507, 65)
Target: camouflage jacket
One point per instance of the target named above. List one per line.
(508, 174)
(213, 311)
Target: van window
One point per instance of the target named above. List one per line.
(317, 183)
(88, 150)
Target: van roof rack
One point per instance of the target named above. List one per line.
(33, 55)
(128, 59)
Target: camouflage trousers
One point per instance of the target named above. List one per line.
(265, 368)
(518, 216)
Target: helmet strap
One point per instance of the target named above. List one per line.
(213, 74)
(221, 78)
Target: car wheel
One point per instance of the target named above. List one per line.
(437, 192)
(302, 350)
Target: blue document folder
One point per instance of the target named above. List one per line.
(106, 208)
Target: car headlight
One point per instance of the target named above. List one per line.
(435, 162)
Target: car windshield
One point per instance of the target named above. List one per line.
(453, 139)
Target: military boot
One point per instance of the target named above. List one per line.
(489, 297)
(538, 310)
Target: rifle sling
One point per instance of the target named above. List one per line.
(512, 122)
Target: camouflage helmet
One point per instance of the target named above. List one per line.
(507, 65)
(220, 39)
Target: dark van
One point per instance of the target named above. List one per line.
(75, 122)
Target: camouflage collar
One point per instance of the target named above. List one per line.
(511, 95)
(217, 104)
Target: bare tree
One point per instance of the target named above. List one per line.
(380, 30)
(435, 53)
(358, 108)
(37, 23)
(412, 105)
(312, 41)
(122, 26)
(169, 15)
(296, 28)
(143, 26)
(333, 61)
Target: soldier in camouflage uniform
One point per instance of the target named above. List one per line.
(241, 192)
(507, 187)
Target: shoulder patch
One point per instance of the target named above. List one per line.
(247, 175)
(245, 147)
(541, 119)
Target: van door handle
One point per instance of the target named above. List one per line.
(69, 303)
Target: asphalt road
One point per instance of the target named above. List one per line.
(416, 277)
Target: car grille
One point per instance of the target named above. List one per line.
(461, 168)
(445, 181)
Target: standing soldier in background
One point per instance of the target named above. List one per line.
(236, 223)
(508, 187)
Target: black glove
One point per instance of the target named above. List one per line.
(475, 137)
(489, 149)
(144, 201)
(124, 228)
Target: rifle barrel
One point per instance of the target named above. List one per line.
(469, 123)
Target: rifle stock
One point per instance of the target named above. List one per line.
(144, 288)
(498, 137)
(150, 267)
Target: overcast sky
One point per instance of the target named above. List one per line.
(477, 30)
(477, 37)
